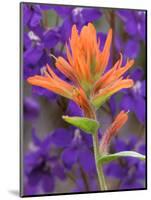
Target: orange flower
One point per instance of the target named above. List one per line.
(85, 66)
(52, 82)
(117, 124)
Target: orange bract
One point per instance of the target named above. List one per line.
(111, 82)
(85, 62)
(117, 124)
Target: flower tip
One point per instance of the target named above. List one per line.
(64, 116)
(110, 32)
(91, 25)
(131, 83)
(121, 55)
(51, 55)
(132, 61)
(74, 28)
(29, 80)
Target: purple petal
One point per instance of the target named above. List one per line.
(142, 149)
(69, 157)
(27, 42)
(91, 14)
(65, 30)
(35, 20)
(34, 178)
(132, 48)
(26, 14)
(63, 11)
(35, 138)
(48, 183)
(127, 103)
(58, 171)
(140, 106)
(143, 88)
(73, 109)
(87, 139)
(62, 137)
(36, 16)
(86, 160)
(46, 143)
(51, 38)
(115, 170)
(131, 27)
(125, 15)
(119, 145)
(112, 103)
(137, 73)
(32, 55)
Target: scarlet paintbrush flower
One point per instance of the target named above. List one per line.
(117, 124)
(85, 66)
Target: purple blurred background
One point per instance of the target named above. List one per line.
(58, 158)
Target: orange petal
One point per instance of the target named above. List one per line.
(66, 69)
(52, 82)
(103, 94)
(105, 53)
(113, 129)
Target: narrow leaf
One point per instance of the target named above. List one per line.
(88, 125)
(110, 157)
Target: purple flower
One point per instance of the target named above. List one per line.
(134, 22)
(131, 48)
(37, 40)
(73, 109)
(79, 16)
(51, 38)
(76, 148)
(134, 99)
(41, 167)
(32, 15)
(78, 153)
(62, 11)
(62, 138)
(32, 55)
(129, 171)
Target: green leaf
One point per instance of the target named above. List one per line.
(110, 157)
(88, 125)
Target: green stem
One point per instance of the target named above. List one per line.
(99, 167)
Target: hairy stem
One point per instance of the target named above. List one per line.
(99, 167)
(92, 114)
